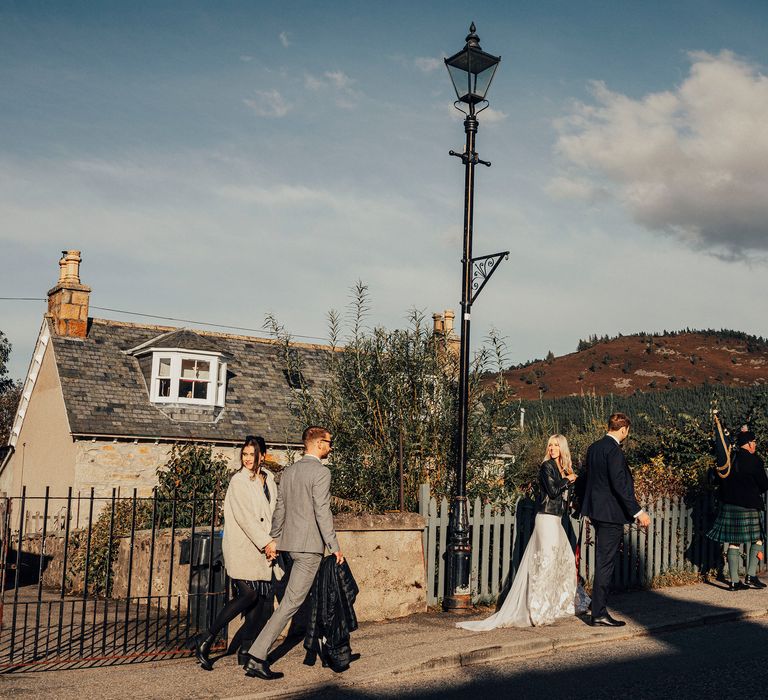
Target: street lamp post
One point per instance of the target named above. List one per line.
(471, 71)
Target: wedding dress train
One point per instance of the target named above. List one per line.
(545, 587)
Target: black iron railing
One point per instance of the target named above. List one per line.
(99, 579)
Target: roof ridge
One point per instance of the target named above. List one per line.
(215, 334)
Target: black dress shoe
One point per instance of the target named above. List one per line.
(737, 586)
(606, 621)
(256, 668)
(242, 657)
(753, 582)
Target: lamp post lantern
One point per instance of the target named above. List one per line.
(471, 71)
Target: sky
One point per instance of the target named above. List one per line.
(221, 161)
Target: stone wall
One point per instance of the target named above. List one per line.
(29, 561)
(384, 552)
(125, 465)
(386, 557)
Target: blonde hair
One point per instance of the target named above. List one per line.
(564, 463)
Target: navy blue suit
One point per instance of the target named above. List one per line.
(609, 502)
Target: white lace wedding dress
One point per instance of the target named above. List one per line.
(545, 587)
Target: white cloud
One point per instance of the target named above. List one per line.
(427, 64)
(492, 116)
(313, 83)
(338, 83)
(339, 80)
(690, 162)
(285, 39)
(269, 103)
(563, 187)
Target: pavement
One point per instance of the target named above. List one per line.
(397, 648)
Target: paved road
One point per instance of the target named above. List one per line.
(727, 660)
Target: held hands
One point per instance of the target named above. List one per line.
(271, 550)
(643, 519)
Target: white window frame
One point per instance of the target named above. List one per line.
(217, 377)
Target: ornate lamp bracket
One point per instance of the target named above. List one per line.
(482, 269)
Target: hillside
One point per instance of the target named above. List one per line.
(646, 363)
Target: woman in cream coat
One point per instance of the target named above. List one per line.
(248, 508)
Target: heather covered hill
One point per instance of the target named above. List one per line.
(646, 363)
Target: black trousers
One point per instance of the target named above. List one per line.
(255, 601)
(608, 538)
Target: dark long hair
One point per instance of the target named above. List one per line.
(259, 448)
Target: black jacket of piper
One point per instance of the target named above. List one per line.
(332, 612)
(746, 483)
(553, 496)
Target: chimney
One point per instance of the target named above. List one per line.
(68, 300)
(454, 341)
(443, 327)
(449, 316)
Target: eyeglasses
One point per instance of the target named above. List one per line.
(330, 442)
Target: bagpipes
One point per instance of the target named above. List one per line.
(723, 449)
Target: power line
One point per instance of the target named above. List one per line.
(171, 318)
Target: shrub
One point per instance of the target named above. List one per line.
(385, 386)
(192, 470)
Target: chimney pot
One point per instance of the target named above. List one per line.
(437, 323)
(69, 267)
(449, 316)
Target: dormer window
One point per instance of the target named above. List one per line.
(183, 367)
(183, 377)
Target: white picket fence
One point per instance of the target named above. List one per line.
(675, 541)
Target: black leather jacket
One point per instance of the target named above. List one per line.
(332, 614)
(553, 496)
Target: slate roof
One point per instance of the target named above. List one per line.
(183, 338)
(105, 392)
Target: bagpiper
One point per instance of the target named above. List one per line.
(742, 481)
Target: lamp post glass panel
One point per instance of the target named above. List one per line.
(471, 71)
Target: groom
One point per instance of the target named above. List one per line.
(302, 525)
(609, 502)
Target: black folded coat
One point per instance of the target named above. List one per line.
(332, 613)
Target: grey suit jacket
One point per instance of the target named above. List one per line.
(302, 521)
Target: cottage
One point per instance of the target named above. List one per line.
(103, 400)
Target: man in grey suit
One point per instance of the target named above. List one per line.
(302, 525)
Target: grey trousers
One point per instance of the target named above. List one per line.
(303, 570)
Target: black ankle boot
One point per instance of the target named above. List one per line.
(201, 645)
(243, 655)
(737, 586)
(753, 582)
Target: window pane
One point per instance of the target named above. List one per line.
(193, 390)
(195, 369)
(164, 387)
(164, 369)
(201, 390)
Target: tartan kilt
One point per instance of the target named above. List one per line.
(736, 524)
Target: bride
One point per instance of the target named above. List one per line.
(545, 587)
